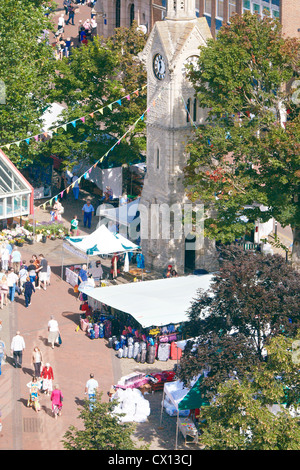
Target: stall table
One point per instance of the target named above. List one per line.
(188, 430)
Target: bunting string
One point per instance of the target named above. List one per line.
(73, 122)
(87, 172)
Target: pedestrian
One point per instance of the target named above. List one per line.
(93, 27)
(61, 24)
(66, 5)
(67, 51)
(4, 290)
(42, 270)
(37, 263)
(17, 347)
(71, 11)
(56, 399)
(34, 393)
(12, 281)
(48, 275)
(32, 271)
(47, 377)
(88, 212)
(37, 361)
(53, 331)
(80, 29)
(4, 257)
(16, 259)
(23, 274)
(74, 226)
(2, 353)
(28, 290)
(82, 275)
(75, 186)
(91, 388)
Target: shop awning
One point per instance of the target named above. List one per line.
(154, 303)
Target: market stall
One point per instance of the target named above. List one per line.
(145, 318)
(100, 242)
(184, 398)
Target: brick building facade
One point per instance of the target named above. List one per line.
(116, 13)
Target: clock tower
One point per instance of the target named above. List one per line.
(172, 111)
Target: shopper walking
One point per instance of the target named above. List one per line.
(12, 281)
(5, 255)
(28, 290)
(2, 353)
(37, 361)
(34, 393)
(91, 388)
(53, 331)
(43, 271)
(88, 212)
(71, 11)
(4, 290)
(16, 259)
(47, 376)
(56, 399)
(17, 348)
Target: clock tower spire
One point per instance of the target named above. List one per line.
(181, 9)
(172, 46)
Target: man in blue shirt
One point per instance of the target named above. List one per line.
(87, 212)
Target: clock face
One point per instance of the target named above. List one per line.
(192, 60)
(159, 66)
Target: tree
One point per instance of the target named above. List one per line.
(94, 77)
(247, 153)
(102, 429)
(241, 416)
(253, 297)
(26, 73)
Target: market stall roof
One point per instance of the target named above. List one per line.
(185, 398)
(102, 242)
(123, 215)
(154, 303)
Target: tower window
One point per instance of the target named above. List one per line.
(188, 110)
(157, 159)
(195, 110)
(118, 13)
(131, 13)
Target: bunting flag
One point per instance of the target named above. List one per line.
(73, 122)
(85, 174)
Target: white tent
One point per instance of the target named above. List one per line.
(123, 215)
(102, 242)
(154, 303)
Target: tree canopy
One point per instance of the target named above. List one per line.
(97, 75)
(101, 429)
(243, 414)
(247, 153)
(27, 68)
(253, 297)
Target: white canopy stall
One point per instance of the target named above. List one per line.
(154, 303)
(100, 242)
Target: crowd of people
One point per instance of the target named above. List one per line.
(18, 276)
(86, 30)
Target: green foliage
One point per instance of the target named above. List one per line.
(102, 430)
(242, 156)
(94, 77)
(253, 298)
(26, 69)
(240, 417)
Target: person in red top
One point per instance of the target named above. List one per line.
(47, 376)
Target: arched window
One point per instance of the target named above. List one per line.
(195, 110)
(188, 110)
(157, 159)
(118, 13)
(131, 13)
